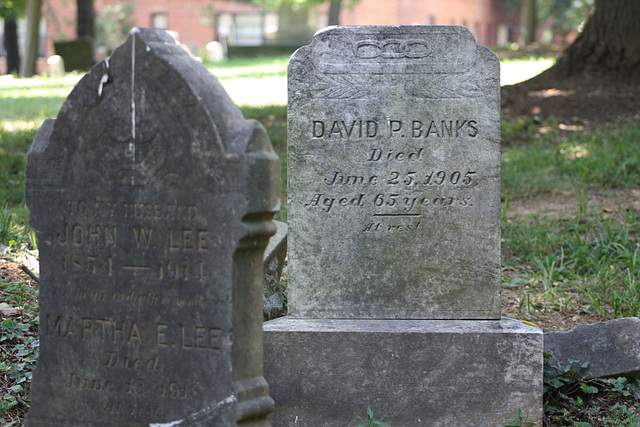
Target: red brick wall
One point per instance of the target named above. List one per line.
(482, 17)
(187, 17)
(60, 16)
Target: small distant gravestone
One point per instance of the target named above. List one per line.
(394, 175)
(152, 199)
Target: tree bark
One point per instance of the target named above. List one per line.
(30, 58)
(334, 12)
(528, 22)
(85, 19)
(608, 45)
(11, 45)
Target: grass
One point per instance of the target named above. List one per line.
(575, 161)
(587, 259)
(33, 100)
(594, 260)
(254, 81)
(254, 68)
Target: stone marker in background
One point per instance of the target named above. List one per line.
(394, 237)
(394, 175)
(612, 348)
(152, 200)
(76, 54)
(55, 66)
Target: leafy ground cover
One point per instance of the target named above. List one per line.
(18, 340)
(570, 228)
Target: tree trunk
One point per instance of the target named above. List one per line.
(609, 43)
(11, 45)
(334, 12)
(86, 27)
(30, 58)
(528, 22)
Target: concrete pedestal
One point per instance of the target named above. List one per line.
(325, 372)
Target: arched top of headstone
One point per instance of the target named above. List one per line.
(150, 115)
(394, 49)
(416, 62)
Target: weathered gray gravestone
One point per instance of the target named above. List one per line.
(152, 200)
(394, 175)
(612, 348)
(394, 238)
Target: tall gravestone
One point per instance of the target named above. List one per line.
(394, 175)
(152, 200)
(394, 238)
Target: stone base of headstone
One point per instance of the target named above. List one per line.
(326, 372)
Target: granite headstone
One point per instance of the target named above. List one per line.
(152, 200)
(394, 175)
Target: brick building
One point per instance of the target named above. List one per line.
(487, 19)
(198, 22)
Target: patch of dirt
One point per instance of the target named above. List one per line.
(607, 203)
(579, 103)
(582, 97)
(524, 304)
(12, 272)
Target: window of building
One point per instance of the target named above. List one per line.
(247, 29)
(160, 20)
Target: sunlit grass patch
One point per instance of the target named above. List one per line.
(264, 66)
(516, 71)
(18, 125)
(34, 99)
